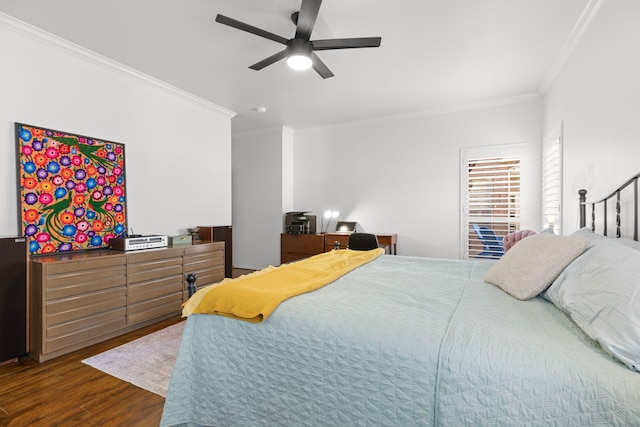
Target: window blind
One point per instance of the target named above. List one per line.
(552, 182)
(493, 203)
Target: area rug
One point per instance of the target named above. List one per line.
(146, 362)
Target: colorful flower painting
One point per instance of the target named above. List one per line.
(71, 188)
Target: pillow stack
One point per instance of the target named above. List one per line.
(601, 292)
(599, 289)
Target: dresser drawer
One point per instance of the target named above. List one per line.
(78, 331)
(79, 307)
(69, 284)
(154, 308)
(152, 270)
(204, 248)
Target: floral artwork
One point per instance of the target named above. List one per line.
(71, 189)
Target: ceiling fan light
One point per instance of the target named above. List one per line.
(299, 62)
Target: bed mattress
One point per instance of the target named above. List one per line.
(400, 341)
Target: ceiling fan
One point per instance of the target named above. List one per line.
(300, 50)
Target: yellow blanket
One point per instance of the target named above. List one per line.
(254, 297)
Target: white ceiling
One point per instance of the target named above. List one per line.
(435, 54)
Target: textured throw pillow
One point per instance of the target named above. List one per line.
(534, 263)
(601, 292)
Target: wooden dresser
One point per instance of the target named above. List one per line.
(80, 299)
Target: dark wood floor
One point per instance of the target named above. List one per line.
(66, 392)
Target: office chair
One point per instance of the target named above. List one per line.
(492, 243)
(363, 242)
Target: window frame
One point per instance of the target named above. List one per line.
(519, 150)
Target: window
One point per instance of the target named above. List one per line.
(491, 198)
(552, 180)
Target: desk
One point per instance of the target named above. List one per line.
(385, 240)
(298, 246)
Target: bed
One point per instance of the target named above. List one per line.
(402, 341)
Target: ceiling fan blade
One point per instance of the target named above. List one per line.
(346, 43)
(270, 60)
(320, 67)
(307, 18)
(250, 29)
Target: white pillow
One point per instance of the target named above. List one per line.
(587, 233)
(532, 265)
(629, 243)
(601, 292)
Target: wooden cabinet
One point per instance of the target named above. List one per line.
(83, 298)
(298, 246)
(13, 299)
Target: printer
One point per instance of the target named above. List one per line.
(299, 223)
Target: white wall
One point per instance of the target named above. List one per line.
(258, 198)
(597, 97)
(403, 175)
(287, 169)
(178, 147)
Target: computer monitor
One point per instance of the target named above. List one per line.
(342, 226)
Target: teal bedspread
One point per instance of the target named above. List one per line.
(400, 341)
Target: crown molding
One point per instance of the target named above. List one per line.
(588, 15)
(262, 131)
(436, 111)
(287, 130)
(43, 37)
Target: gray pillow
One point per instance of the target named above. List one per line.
(532, 265)
(601, 292)
(586, 232)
